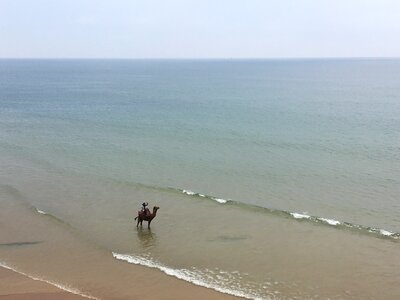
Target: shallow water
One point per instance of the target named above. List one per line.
(274, 178)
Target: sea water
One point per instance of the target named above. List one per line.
(260, 167)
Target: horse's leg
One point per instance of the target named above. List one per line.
(148, 225)
(138, 220)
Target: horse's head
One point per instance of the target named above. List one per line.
(155, 208)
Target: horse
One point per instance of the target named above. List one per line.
(143, 217)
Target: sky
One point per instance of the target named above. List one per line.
(199, 28)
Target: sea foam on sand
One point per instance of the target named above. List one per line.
(183, 274)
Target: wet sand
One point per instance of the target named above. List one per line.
(346, 265)
(51, 252)
(40, 296)
(14, 286)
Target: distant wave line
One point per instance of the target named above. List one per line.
(300, 216)
(380, 232)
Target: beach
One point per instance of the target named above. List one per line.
(64, 264)
(276, 179)
(14, 286)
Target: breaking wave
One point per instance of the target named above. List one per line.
(302, 216)
(192, 276)
(219, 200)
(40, 211)
(299, 216)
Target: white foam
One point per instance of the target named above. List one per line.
(329, 221)
(219, 200)
(296, 215)
(385, 232)
(191, 193)
(60, 286)
(182, 274)
(41, 211)
(188, 192)
(300, 216)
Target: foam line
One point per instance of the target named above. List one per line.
(41, 211)
(183, 274)
(191, 193)
(329, 221)
(302, 216)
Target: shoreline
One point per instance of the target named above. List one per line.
(18, 286)
(50, 257)
(15, 286)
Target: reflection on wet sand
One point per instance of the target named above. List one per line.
(147, 238)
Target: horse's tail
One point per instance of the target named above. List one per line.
(136, 218)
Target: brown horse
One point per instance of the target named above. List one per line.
(143, 217)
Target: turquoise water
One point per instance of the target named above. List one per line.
(319, 138)
(314, 136)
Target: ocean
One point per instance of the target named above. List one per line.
(276, 179)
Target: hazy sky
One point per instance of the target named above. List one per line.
(199, 29)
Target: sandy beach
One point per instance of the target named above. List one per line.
(201, 150)
(274, 179)
(67, 261)
(14, 286)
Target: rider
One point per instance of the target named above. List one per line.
(145, 210)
